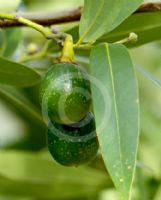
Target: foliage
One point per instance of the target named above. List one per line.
(125, 85)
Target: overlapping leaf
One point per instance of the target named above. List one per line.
(147, 30)
(12, 73)
(25, 174)
(22, 104)
(115, 102)
(100, 17)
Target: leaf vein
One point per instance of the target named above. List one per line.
(115, 103)
(93, 22)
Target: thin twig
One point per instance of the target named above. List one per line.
(45, 31)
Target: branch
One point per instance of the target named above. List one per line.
(45, 18)
(45, 31)
(64, 16)
(149, 7)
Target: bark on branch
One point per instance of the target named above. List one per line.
(149, 7)
(51, 18)
(45, 18)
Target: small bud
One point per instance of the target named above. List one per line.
(55, 30)
(32, 49)
(133, 37)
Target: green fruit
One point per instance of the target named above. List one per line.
(73, 145)
(65, 93)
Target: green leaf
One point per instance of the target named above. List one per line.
(2, 41)
(35, 175)
(147, 30)
(115, 102)
(22, 104)
(12, 73)
(13, 37)
(100, 17)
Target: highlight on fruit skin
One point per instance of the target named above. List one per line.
(75, 144)
(65, 93)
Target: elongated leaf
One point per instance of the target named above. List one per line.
(17, 101)
(33, 175)
(13, 96)
(100, 17)
(115, 101)
(12, 73)
(147, 30)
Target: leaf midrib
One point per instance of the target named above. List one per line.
(93, 22)
(115, 103)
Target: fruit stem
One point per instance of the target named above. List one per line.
(67, 52)
(87, 46)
